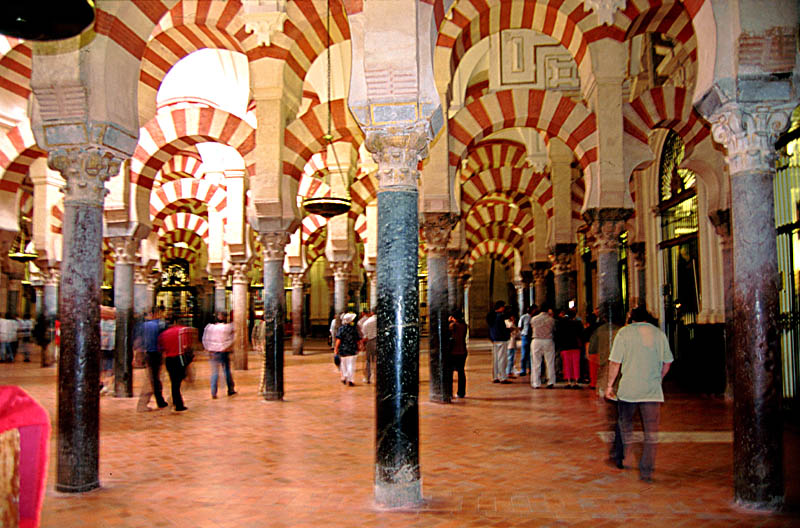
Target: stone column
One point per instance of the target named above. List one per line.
(561, 258)
(240, 291)
(220, 285)
(540, 282)
(453, 266)
(140, 291)
(52, 278)
(397, 473)
(39, 300)
(331, 293)
(153, 283)
(606, 226)
(372, 276)
(520, 287)
(436, 228)
(297, 314)
(274, 243)
(749, 132)
(637, 253)
(124, 257)
(465, 302)
(722, 224)
(77, 445)
(460, 298)
(341, 279)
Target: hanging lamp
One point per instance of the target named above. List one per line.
(21, 254)
(329, 206)
(53, 21)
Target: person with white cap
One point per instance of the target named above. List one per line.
(346, 347)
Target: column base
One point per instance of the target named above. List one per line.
(398, 495)
(66, 488)
(273, 396)
(775, 504)
(438, 398)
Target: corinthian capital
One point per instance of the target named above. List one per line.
(274, 244)
(85, 170)
(606, 225)
(341, 270)
(749, 132)
(124, 249)
(239, 272)
(297, 280)
(397, 152)
(436, 229)
(561, 258)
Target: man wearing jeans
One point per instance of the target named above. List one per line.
(641, 352)
(218, 340)
(499, 334)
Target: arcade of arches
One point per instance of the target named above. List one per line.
(602, 154)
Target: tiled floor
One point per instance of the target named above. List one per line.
(505, 456)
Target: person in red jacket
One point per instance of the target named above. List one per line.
(173, 343)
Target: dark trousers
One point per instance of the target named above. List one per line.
(154, 362)
(457, 366)
(650, 414)
(617, 450)
(176, 372)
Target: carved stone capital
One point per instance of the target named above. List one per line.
(341, 270)
(297, 280)
(453, 266)
(397, 153)
(606, 225)
(51, 276)
(274, 244)
(124, 249)
(239, 272)
(85, 170)
(561, 257)
(539, 276)
(436, 229)
(749, 132)
(519, 286)
(605, 9)
(264, 21)
(140, 274)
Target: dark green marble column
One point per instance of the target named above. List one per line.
(271, 386)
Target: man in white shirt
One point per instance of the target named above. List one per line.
(543, 347)
(369, 337)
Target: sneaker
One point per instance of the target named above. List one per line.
(162, 405)
(181, 409)
(551, 386)
(350, 383)
(231, 392)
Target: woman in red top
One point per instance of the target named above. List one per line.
(172, 343)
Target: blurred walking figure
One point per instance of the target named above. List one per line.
(458, 352)
(147, 335)
(218, 340)
(346, 347)
(108, 326)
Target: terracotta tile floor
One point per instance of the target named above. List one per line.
(505, 456)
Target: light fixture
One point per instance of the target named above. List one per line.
(55, 21)
(21, 254)
(329, 206)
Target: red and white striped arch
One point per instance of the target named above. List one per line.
(172, 132)
(304, 37)
(315, 246)
(304, 136)
(15, 71)
(57, 218)
(26, 203)
(670, 18)
(18, 151)
(362, 192)
(194, 241)
(499, 250)
(178, 194)
(493, 153)
(186, 221)
(665, 107)
(360, 229)
(496, 231)
(564, 20)
(548, 112)
(534, 185)
(172, 253)
(312, 224)
(577, 194)
(184, 165)
(505, 214)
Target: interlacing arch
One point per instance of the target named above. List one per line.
(548, 112)
(304, 136)
(312, 184)
(199, 195)
(185, 221)
(363, 190)
(360, 229)
(665, 107)
(564, 20)
(172, 253)
(493, 153)
(15, 70)
(497, 231)
(315, 245)
(172, 132)
(535, 185)
(577, 194)
(671, 19)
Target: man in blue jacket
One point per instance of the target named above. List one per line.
(147, 337)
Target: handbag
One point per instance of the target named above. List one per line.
(337, 360)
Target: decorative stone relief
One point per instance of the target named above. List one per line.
(397, 153)
(606, 225)
(297, 280)
(749, 132)
(264, 18)
(274, 244)
(85, 170)
(239, 272)
(124, 249)
(341, 270)
(436, 229)
(561, 262)
(605, 9)
(533, 60)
